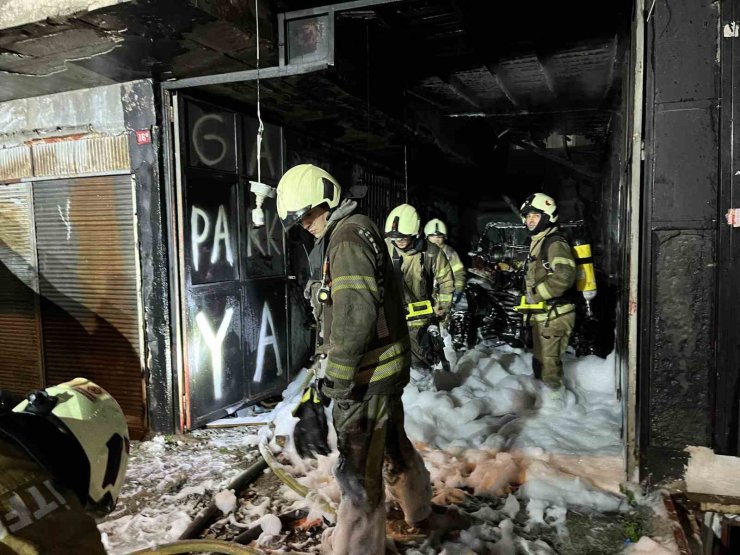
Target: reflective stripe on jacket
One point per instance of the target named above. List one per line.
(37, 515)
(550, 284)
(458, 270)
(426, 273)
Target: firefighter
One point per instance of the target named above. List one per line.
(426, 276)
(364, 339)
(63, 458)
(436, 232)
(551, 273)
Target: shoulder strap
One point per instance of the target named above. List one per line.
(549, 240)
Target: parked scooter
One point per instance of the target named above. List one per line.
(486, 311)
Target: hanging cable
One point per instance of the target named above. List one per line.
(261, 126)
(406, 173)
(367, 96)
(259, 189)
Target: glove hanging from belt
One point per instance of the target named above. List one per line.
(311, 432)
(432, 346)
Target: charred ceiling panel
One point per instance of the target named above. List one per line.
(20, 12)
(461, 56)
(135, 40)
(49, 47)
(524, 81)
(584, 75)
(446, 95)
(484, 87)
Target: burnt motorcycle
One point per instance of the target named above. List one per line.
(485, 312)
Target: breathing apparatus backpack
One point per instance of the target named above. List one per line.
(585, 285)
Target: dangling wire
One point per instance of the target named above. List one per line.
(406, 173)
(261, 126)
(367, 95)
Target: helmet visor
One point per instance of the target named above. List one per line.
(294, 217)
(395, 234)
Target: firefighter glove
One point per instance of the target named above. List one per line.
(311, 432)
(429, 345)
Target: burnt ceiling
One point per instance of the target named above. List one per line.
(455, 76)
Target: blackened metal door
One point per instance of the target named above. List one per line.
(233, 274)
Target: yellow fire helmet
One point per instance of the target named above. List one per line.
(302, 188)
(403, 221)
(542, 204)
(435, 227)
(78, 433)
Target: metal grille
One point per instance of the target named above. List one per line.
(96, 155)
(383, 195)
(15, 162)
(89, 286)
(20, 356)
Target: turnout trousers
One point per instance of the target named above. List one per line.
(373, 446)
(550, 341)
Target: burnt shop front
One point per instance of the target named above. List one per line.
(233, 280)
(241, 326)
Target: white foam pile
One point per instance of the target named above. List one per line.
(496, 433)
(493, 435)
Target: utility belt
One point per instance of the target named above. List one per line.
(419, 310)
(544, 311)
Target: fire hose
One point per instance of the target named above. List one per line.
(200, 546)
(289, 480)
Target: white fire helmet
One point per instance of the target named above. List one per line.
(542, 204)
(78, 433)
(302, 188)
(435, 227)
(403, 221)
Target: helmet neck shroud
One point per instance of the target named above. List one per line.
(542, 225)
(48, 441)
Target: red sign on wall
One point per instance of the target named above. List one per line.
(143, 137)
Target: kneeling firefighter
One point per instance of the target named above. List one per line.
(363, 339)
(63, 456)
(427, 279)
(550, 274)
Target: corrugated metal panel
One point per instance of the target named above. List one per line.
(95, 155)
(90, 308)
(15, 162)
(20, 355)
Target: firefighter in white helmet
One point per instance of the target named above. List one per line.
(551, 273)
(426, 275)
(436, 232)
(63, 456)
(363, 336)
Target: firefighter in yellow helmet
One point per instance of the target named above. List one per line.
(424, 271)
(63, 457)
(436, 232)
(551, 272)
(363, 336)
